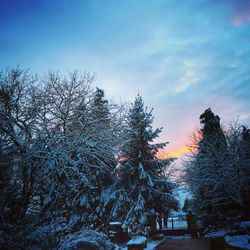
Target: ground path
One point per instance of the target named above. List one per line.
(185, 244)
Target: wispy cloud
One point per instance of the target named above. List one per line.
(191, 76)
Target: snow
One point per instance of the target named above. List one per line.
(150, 245)
(178, 222)
(245, 224)
(115, 223)
(182, 193)
(140, 203)
(186, 236)
(240, 241)
(69, 150)
(141, 184)
(137, 240)
(85, 240)
(215, 234)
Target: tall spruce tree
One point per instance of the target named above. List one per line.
(141, 185)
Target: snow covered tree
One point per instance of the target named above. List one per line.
(217, 172)
(19, 162)
(211, 158)
(140, 182)
(100, 113)
(79, 149)
(81, 135)
(187, 205)
(237, 168)
(101, 159)
(205, 169)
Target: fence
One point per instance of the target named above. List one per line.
(175, 223)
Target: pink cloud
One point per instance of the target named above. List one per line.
(241, 18)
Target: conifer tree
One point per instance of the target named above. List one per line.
(141, 185)
(218, 172)
(102, 163)
(211, 158)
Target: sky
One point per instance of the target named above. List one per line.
(181, 56)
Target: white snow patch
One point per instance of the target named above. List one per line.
(186, 236)
(240, 241)
(150, 245)
(87, 239)
(245, 224)
(137, 240)
(214, 234)
(115, 223)
(179, 222)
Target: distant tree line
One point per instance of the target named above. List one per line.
(218, 171)
(71, 160)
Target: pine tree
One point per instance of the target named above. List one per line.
(141, 185)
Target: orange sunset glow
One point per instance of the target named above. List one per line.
(162, 154)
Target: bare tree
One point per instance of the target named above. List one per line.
(17, 114)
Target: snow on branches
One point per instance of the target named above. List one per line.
(218, 173)
(141, 185)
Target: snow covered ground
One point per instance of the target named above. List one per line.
(245, 225)
(181, 237)
(150, 245)
(178, 222)
(241, 241)
(215, 234)
(238, 241)
(137, 240)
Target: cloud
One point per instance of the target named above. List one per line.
(238, 10)
(191, 76)
(241, 18)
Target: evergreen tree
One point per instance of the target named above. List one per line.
(218, 172)
(211, 159)
(102, 163)
(187, 205)
(141, 185)
(100, 110)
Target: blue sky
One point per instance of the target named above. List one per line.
(181, 56)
